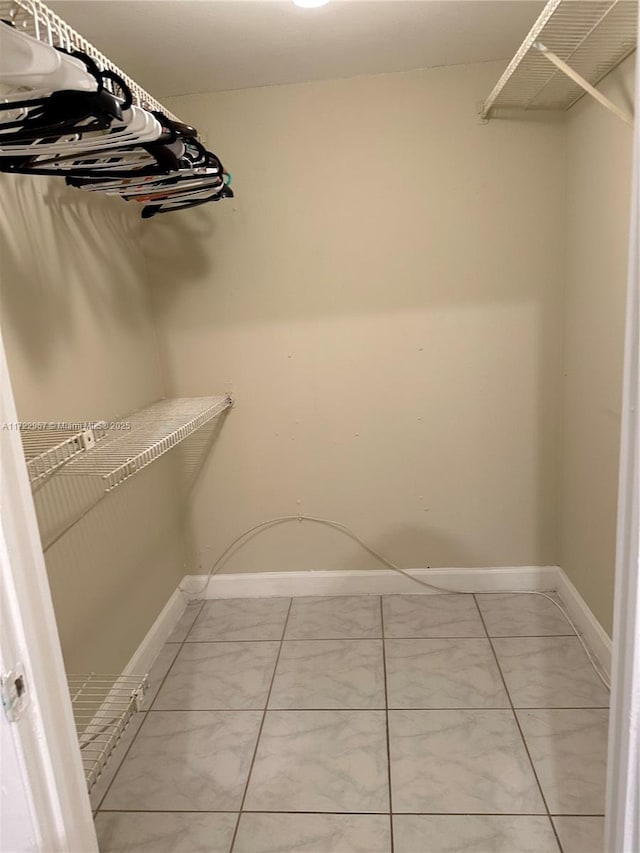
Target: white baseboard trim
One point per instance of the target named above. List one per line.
(157, 635)
(387, 582)
(591, 630)
(374, 582)
(371, 582)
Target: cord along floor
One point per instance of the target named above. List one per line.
(364, 724)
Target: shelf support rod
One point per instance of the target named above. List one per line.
(577, 78)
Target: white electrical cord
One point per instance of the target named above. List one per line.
(272, 522)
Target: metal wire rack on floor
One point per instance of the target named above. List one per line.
(103, 706)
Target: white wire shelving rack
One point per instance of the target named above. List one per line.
(47, 446)
(571, 47)
(144, 437)
(108, 454)
(72, 470)
(103, 706)
(36, 19)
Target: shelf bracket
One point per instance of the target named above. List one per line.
(626, 117)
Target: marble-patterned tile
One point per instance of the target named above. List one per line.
(185, 622)
(473, 834)
(580, 834)
(443, 673)
(320, 761)
(187, 760)
(549, 672)
(453, 615)
(164, 832)
(240, 619)
(115, 760)
(219, 676)
(313, 833)
(460, 762)
(329, 674)
(334, 617)
(158, 672)
(569, 752)
(522, 615)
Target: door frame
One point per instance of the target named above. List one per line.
(53, 790)
(622, 823)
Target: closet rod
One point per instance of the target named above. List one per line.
(591, 90)
(36, 19)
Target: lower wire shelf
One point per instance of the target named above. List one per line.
(103, 706)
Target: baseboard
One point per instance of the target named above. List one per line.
(374, 582)
(157, 635)
(591, 630)
(388, 582)
(371, 582)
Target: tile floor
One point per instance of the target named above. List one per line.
(364, 724)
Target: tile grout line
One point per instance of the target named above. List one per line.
(146, 713)
(343, 814)
(363, 639)
(391, 708)
(517, 722)
(262, 722)
(153, 709)
(386, 714)
(166, 675)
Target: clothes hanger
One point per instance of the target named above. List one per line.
(131, 186)
(28, 64)
(59, 113)
(137, 127)
(141, 184)
(58, 117)
(202, 174)
(152, 210)
(179, 194)
(179, 190)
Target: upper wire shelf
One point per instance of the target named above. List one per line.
(592, 36)
(47, 446)
(36, 19)
(143, 437)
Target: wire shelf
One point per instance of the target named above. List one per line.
(144, 437)
(103, 706)
(592, 36)
(47, 446)
(36, 19)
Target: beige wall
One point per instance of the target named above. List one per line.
(384, 297)
(81, 345)
(598, 182)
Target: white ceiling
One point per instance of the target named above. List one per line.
(174, 47)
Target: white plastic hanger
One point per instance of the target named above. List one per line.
(138, 126)
(32, 69)
(153, 183)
